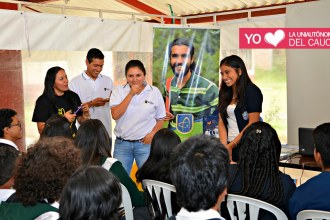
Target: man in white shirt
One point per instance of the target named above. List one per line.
(94, 88)
(10, 128)
(199, 168)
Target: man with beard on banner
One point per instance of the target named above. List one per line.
(189, 96)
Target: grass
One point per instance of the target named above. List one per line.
(272, 83)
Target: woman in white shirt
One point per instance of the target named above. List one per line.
(139, 110)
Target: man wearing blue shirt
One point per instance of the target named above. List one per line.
(315, 193)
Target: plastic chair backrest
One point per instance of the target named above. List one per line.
(158, 187)
(127, 203)
(313, 214)
(254, 206)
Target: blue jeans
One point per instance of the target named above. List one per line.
(126, 152)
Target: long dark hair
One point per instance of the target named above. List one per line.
(91, 193)
(259, 154)
(226, 93)
(50, 82)
(157, 165)
(94, 141)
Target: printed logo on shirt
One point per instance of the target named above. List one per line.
(61, 111)
(245, 115)
(184, 123)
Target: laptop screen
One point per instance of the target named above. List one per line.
(306, 142)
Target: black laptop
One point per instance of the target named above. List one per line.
(306, 142)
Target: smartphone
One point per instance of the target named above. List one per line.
(108, 99)
(78, 109)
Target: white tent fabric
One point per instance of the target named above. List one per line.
(12, 25)
(35, 31)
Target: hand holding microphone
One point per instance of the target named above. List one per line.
(78, 109)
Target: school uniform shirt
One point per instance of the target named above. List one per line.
(116, 168)
(252, 103)
(313, 194)
(184, 214)
(8, 143)
(5, 194)
(141, 114)
(89, 89)
(17, 211)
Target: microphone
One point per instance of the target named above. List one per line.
(78, 109)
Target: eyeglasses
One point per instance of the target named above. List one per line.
(19, 124)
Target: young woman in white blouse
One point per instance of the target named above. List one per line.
(139, 110)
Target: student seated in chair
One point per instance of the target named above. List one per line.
(94, 142)
(315, 193)
(157, 167)
(91, 193)
(199, 168)
(39, 179)
(10, 128)
(257, 173)
(8, 158)
(57, 126)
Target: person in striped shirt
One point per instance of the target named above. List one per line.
(187, 92)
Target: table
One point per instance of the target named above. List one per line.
(299, 161)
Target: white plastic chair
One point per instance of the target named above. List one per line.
(159, 187)
(127, 203)
(254, 206)
(313, 214)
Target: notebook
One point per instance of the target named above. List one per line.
(306, 142)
